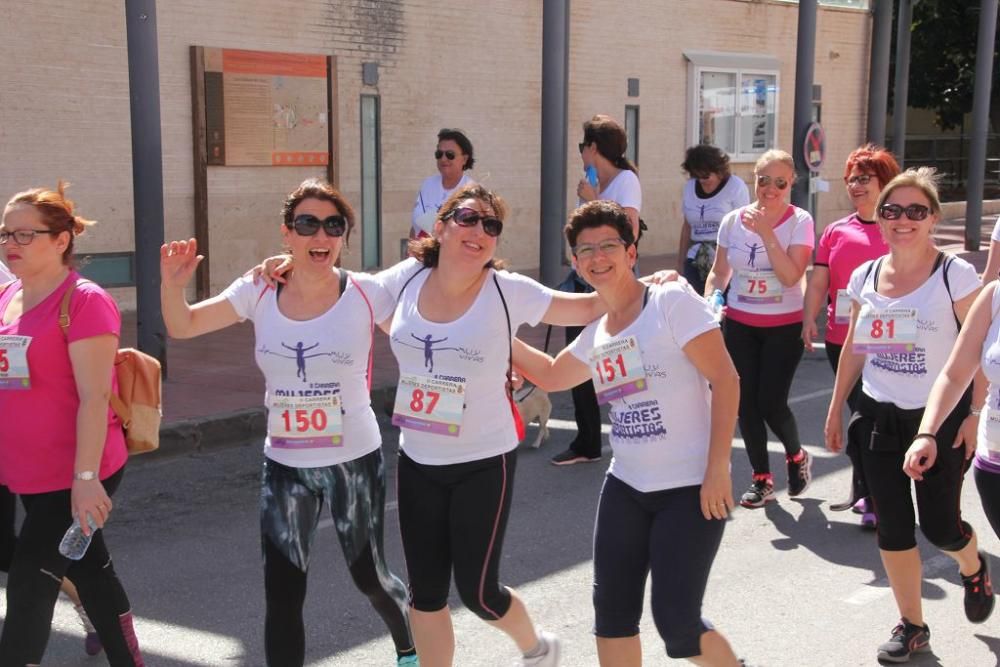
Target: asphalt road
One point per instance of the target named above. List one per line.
(793, 585)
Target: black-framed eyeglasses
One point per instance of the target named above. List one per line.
(308, 225)
(860, 179)
(440, 154)
(468, 217)
(915, 212)
(606, 247)
(764, 180)
(23, 236)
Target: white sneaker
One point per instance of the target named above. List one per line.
(548, 659)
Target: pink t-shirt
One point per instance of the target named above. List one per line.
(844, 246)
(38, 437)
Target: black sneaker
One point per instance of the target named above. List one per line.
(906, 638)
(569, 457)
(979, 593)
(761, 491)
(799, 474)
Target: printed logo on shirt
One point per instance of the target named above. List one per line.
(429, 345)
(904, 363)
(654, 370)
(927, 325)
(300, 353)
(753, 251)
(638, 422)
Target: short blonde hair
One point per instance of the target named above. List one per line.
(774, 155)
(924, 179)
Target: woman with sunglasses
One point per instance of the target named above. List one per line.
(843, 246)
(313, 344)
(762, 255)
(668, 491)
(454, 158)
(906, 312)
(710, 193)
(62, 449)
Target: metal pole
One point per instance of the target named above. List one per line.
(980, 123)
(805, 64)
(555, 104)
(901, 89)
(878, 80)
(147, 172)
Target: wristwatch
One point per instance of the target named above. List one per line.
(85, 476)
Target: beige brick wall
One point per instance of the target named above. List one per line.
(66, 113)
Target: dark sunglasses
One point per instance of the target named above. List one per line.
(779, 182)
(582, 145)
(915, 212)
(440, 154)
(467, 217)
(861, 179)
(307, 225)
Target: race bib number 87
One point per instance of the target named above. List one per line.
(429, 404)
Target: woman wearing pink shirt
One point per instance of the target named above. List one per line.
(843, 247)
(61, 448)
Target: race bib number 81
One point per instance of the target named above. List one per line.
(892, 330)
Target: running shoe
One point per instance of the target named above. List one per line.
(869, 520)
(907, 638)
(761, 491)
(408, 661)
(799, 473)
(979, 598)
(91, 642)
(548, 659)
(569, 457)
(862, 506)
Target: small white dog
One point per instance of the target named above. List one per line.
(534, 405)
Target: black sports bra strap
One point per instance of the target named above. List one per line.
(645, 296)
(343, 280)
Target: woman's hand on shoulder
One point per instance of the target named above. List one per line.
(272, 270)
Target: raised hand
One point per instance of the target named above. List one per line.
(178, 261)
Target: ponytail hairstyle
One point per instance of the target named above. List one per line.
(428, 250)
(56, 212)
(609, 136)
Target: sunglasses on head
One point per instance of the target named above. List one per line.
(860, 179)
(763, 181)
(467, 217)
(308, 225)
(915, 212)
(440, 154)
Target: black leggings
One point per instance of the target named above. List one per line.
(663, 534)
(8, 533)
(890, 430)
(988, 485)
(36, 573)
(766, 359)
(291, 503)
(455, 516)
(859, 488)
(586, 412)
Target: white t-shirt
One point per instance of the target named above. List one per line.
(905, 378)
(660, 436)
(995, 236)
(432, 195)
(5, 275)
(327, 355)
(988, 440)
(624, 190)
(748, 258)
(704, 215)
(473, 349)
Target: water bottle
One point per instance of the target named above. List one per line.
(717, 301)
(74, 543)
(590, 172)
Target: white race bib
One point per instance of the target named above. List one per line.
(758, 286)
(305, 422)
(429, 404)
(992, 418)
(14, 362)
(617, 369)
(842, 308)
(892, 330)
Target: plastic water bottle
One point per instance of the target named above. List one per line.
(590, 172)
(74, 543)
(717, 301)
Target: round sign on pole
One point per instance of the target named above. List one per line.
(814, 147)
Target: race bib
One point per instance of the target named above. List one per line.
(14, 362)
(429, 404)
(305, 422)
(617, 369)
(758, 286)
(842, 308)
(992, 418)
(892, 330)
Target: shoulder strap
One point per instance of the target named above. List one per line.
(64, 318)
(409, 280)
(875, 264)
(371, 321)
(343, 280)
(510, 334)
(948, 260)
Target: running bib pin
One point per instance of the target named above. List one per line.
(14, 362)
(617, 369)
(758, 286)
(305, 422)
(892, 330)
(429, 404)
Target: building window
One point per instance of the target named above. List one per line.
(734, 102)
(632, 132)
(371, 183)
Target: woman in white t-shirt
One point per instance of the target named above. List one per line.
(603, 147)
(313, 343)
(709, 194)
(762, 256)
(454, 158)
(905, 317)
(668, 490)
(992, 269)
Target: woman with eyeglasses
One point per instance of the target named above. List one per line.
(843, 246)
(710, 193)
(454, 158)
(62, 449)
(762, 255)
(313, 343)
(907, 309)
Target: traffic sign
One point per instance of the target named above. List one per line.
(814, 147)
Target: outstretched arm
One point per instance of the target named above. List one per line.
(178, 261)
(559, 374)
